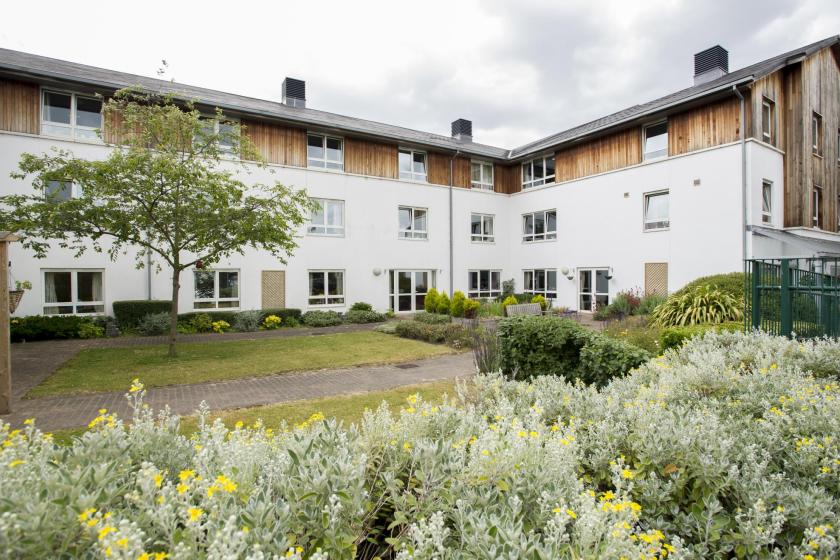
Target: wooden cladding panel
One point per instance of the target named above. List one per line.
(370, 158)
(772, 88)
(704, 127)
(507, 178)
(277, 144)
(600, 155)
(797, 191)
(437, 171)
(20, 105)
(461, 171)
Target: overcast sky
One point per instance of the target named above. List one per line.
(519, 70)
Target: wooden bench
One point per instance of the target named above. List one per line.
(523, 309)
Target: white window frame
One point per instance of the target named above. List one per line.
(766, 212)
(545, 273)
(768, 105)
(325, 162)
(816, 133)
(474, 291)
(225, 148)
(657, 154)
(484, 183)
(655, 225)
(75, 191)
(483, 237)
(329, 230)
(327, 295)
(72, 129)
(413, 175)
(394, 289)
(547, 235)
(816, 206)
(411, 233)
(545, 179)
(215, 300)
(74, 287)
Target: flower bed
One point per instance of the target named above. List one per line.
(723, 448)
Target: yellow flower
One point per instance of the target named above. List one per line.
(160, 500)
(195, 513)
(181, 488)
(808, 557)
(161, 555)
(123, 542)
(103, 411)
(485, 452)
(105, 531)
(534, 434)
(239, 424)
(135, 386)
(522, 434)
(556, 510)
(225, 483)
(158, 478)
(16, 462)
(28, 421)
(412, 399)
(571, 514)
(186, 474)
(86, 514)
(627, 473)
(407, 446)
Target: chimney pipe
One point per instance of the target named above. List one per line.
(294, 92)
(710, 64)
(462, 130)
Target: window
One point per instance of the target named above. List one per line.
(768, 121)
(539, 226)
(539, 171)
(481, 175)
(412, 165)
(481, 228)
(816, 134)
(324, 151)
(70, 115)
(656, 140)
(216, 289)
(541, 281)
(328, 218)
(838, 215)
(485, 284)
(58, 191)
(816, 207)
(838, 145)
(766, 202)
(326, 287)
(224, 131)
(69, 292)
(413, 223)
(408, 289)
(656, 211)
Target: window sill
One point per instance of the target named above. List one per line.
(329, 169)
(335, 235)
(483, 242)
(655, 230)
(539, 241)
(91, 141)
(325, 305)
(413, 238)
(532, 187)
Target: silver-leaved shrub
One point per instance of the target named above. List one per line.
(727, 447)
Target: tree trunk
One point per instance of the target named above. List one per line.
(173, 314)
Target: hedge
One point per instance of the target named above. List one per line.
(129, 312)
(57, 327)
(449, 333)
(674, 337)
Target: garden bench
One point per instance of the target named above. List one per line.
(523, 309)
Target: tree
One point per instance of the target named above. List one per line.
(166, 189)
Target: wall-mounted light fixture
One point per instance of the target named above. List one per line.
(377, 271)
(610, 274)
(567, 273)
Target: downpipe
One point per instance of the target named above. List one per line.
(744, 197)
(451, 235)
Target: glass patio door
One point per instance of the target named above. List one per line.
(594, 288)
(409, 288)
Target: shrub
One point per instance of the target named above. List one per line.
(154, 324)
(91, 330)
(271, 322)
(541, 300)
(291, 321)
(452, 334)
(442, 303)
(491, 309)
(699, 305)
(456, 306)
(362, 316)
(201, 322)
(361, 306)
(387, 328)
(485, 346)
(214, 315)
(50, 327)
(129, 313)
(731, 283)
(319, 318)
(510, 300)
(432, 318)
(674, 337)
(248, 321)
(289, 316)
(430, 302)
(508, 288)
(649, 302)
(602, 358)
(220, 326)
(635, 332)
(471, 308)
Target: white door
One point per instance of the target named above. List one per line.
(594, 288)
(408, 289)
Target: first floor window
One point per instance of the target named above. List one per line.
(768, 121)
(326, 287)
(816, 207)
(327, 218)
(413, 223)
(481, 228)
(538, 171)
(222, 132)
(816, 134)
(485, 284)
(412, 165)
(481, 175)
(325, 152)
(656, 140)
(70, 115)
(766, 202)
(539, 226)
(542, 281)
(216, 289)
(657, 211)
(69, 292)
(58, 191)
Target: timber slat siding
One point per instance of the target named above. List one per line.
(507, 178)
(277, 144)
(462, 173)
(704, 127)
(370, 158)
(603, 154)
(20, 107)
(437, 171)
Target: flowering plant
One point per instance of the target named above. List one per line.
(272, 322)
(220, 326)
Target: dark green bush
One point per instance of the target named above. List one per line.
(603, 358)
(731, 283)
(451, 334)
(432, 318)
(471, 308)
(154, 324)
(364, 316)
(51, 327)
(674, 337)
(320, 318)
(361, 306)
(291, 317)
(129, 313)
(187, 318)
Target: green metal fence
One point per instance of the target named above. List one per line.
(793, 297)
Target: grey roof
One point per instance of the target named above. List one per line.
(26, 64)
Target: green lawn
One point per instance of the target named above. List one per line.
(112, 369)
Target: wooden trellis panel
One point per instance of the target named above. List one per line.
(656, 278)
(273, 289)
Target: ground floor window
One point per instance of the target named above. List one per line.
(326, 287)
(408, 289)
(542, 281)
(485, 284)
(216, 289)
(73, 292)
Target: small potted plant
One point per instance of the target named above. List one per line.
(17, 294)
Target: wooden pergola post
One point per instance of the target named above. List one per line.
(5, 345)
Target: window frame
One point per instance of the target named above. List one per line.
(339, 231)
(72, 127)
(816, 207)
(547, 234)
(412, 175)
(545, 179)
(227, 150)
(477, 292)
(74, 190)
(327, 296)
(768, 136)
(658, 154)
(416, 235)
(215, 300)
(326, 162)
(766, 213)
(483, 237)
(482, 184)
(546, 293)
(74, 288)
(816, 134)
(645, 221)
